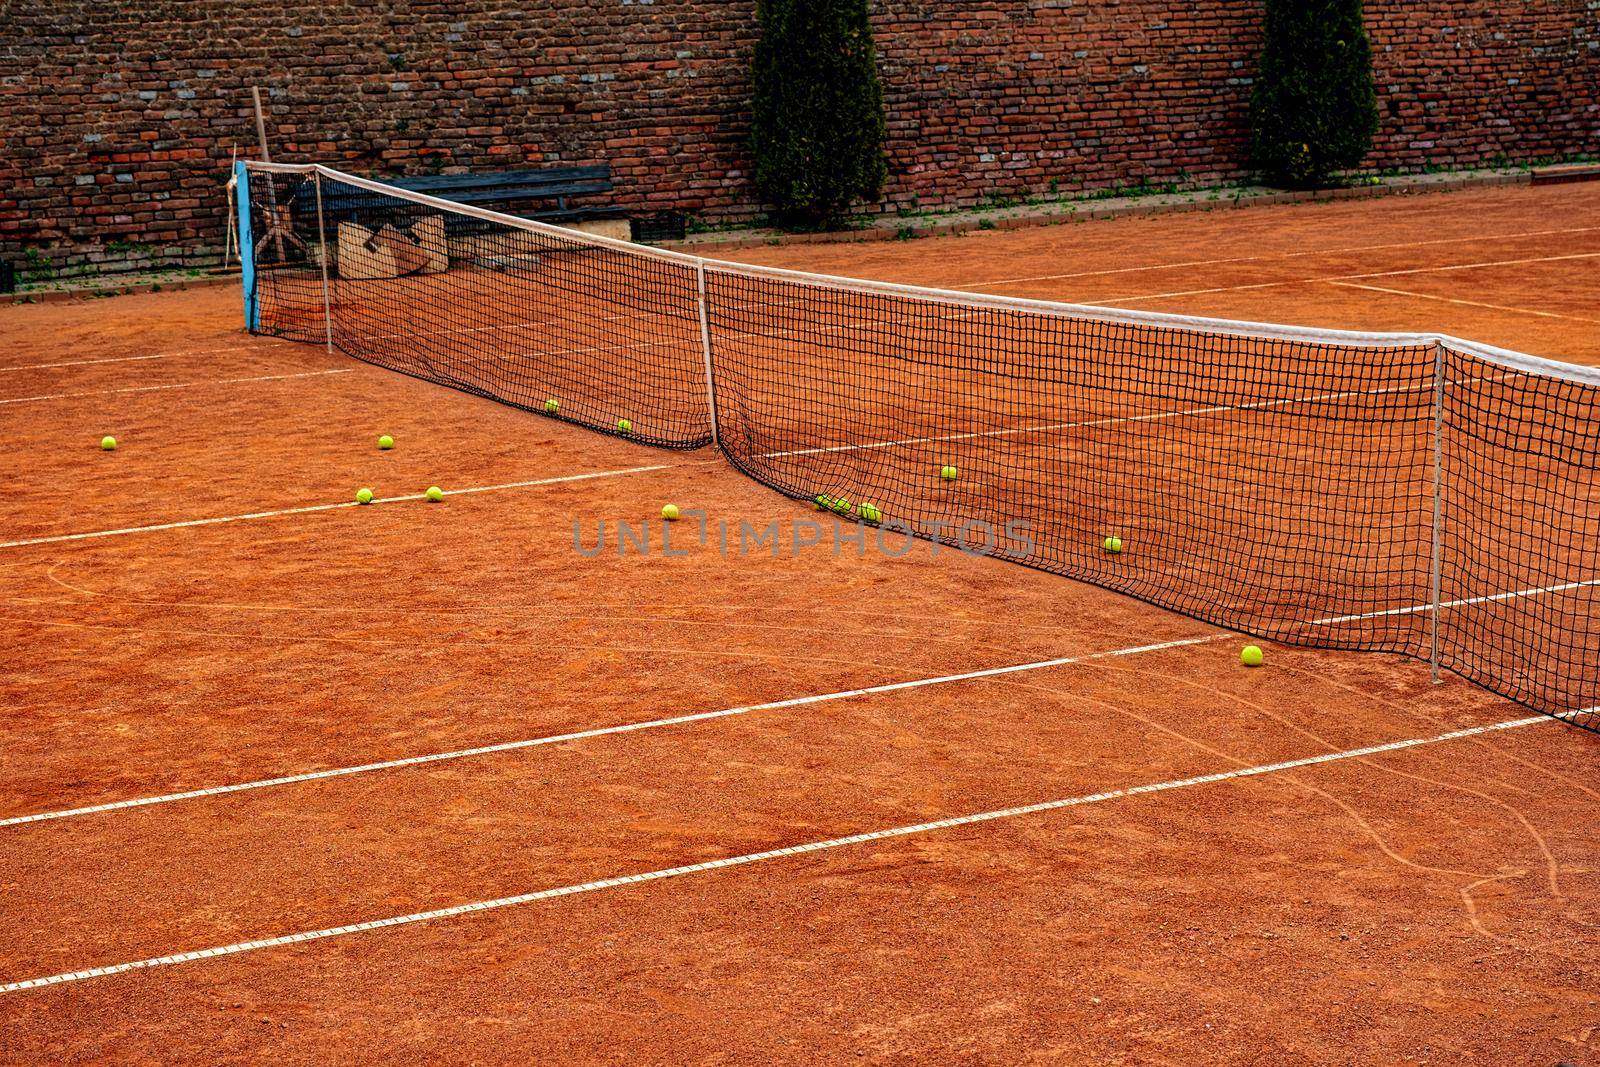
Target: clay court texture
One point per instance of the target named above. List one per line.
(288, 776)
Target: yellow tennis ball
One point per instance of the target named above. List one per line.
(841, 505)
(363, 496)
(552, 405)
(1113, 545)
(434, 494)
(624, 426)
(870, 512)
(1250, 656)
(386, 442)
(670, 513)
(949, 474)
(109, 444)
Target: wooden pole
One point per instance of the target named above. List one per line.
(261, 124)
(266, 157)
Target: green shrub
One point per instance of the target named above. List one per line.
(817, 129)
(1314, 109)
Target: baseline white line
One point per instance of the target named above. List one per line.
(311, 508)
(805, 848)
(1467, 303)
(601, 731)
(1276, 255)
(179, 385)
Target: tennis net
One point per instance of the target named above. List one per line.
(1414, 494)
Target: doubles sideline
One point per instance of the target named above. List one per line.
(748, 858)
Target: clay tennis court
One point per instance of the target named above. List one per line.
(425, 781)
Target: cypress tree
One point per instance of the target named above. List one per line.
(1314, 109)
(817, 129)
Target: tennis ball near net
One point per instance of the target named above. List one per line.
(1250, 656)
(386, 442)
(552, 405)
(108, 444)
(1113, 545)
(870, 512)
(434, 494)
(363, 496)
(624, 426)
(670, 512)
(949, 473)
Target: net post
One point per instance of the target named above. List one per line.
(322, 258)
(1438, 509)
(705, 345)
(247, 246)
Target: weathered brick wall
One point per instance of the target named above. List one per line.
(118, 117)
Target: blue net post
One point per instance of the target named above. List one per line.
(247, 247)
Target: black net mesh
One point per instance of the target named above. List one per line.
(1264, 481)
(543, 320)
(1520, 535)
(1236, 472)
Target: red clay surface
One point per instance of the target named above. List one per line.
(1434, 903)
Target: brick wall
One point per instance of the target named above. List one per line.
(118, 117)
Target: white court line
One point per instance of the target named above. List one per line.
(309, 509)
(805, 848)
(78, 363)
(1275, 256)
(179, 385)
(256, 344)
(602, 731)
(1467, 303)
(1341, 278)
(1489, 598)
(679, 720)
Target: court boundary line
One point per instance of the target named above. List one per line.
(1465, 303)
(806, 848)
(254, 342)
(1277, 255)
(599, 731)
(77, 363)
(177, 385)
(1111, 303)
(705, 716)
(312, 508)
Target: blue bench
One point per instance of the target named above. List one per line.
(498, 191)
